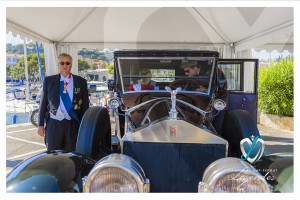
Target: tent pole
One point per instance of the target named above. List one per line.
(26, 70)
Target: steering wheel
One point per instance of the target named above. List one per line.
(185, 84)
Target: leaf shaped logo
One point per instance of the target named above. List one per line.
(252, 150)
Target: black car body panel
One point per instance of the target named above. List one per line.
(278, 170)
(55, 171)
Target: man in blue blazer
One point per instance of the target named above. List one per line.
(63, 103)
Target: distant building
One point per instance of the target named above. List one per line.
(13, 59)
(96, 75)
(100, 64)
(89, 60)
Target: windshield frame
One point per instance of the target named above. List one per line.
(121, 76)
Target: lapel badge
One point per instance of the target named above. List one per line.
(75, 107)
(80, 102)
(77, 90)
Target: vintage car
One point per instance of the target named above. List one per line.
(166, 131)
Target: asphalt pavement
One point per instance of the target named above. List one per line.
(22, 142)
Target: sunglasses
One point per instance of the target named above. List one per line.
(187, 71)
(63, 63)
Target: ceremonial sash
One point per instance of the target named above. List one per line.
(68, 103)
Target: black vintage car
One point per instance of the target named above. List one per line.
(166, 131)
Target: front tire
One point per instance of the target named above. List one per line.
(94, 135)
(34, 117)
(238, 124)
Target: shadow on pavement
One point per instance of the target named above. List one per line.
(279, 148)
(278, 139)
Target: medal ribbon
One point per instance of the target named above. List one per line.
(67, 82)
(68, 103)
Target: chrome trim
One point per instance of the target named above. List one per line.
(116, 103)
(153, 105)
(184, 132)
(202, 112)
(123, 162)
(217, 101)
(223, 166)
(149, 110)
(142, 104)
(211, 75)
(128, 111)
(173, 112)
(114, 113)
(163, 91)
(117, 125)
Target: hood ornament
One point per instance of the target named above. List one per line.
(173, 112)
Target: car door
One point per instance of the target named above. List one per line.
(242, 76)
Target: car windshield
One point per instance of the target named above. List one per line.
(154, 74)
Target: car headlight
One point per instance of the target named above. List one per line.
(116, 173)
(232, 175)
(114, 103)
(219, 104)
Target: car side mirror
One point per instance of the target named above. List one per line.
(111, 84)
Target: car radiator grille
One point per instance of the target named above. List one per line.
(174, 167)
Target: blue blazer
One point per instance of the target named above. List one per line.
(49, 101)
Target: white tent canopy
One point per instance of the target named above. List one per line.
(231, 31)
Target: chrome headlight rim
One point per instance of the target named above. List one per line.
(219, 104)
(224, 166)
(123, 162)
(114, 103)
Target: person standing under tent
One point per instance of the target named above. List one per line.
(63, 103)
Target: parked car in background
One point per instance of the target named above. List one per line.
(98, 93)
(168, 136)
(17, 94)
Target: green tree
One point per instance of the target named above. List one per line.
(93, 56)
(94, 66)
(104, 65)
(17, 72)
(110, 68)
(83, 65)
(276, 89)
(9, 48)
(19, 49)
(32, 63)
(108, 56)
(8, 70)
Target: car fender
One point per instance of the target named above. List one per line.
(54, 171)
